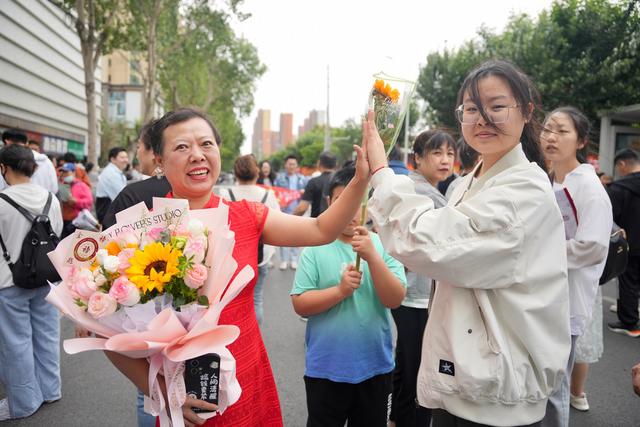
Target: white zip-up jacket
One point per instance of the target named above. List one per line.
(587, 251)
(498, 339)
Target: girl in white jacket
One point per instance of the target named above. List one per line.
(564, 141)
(498, 337)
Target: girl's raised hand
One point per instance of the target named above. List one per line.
(373, 144)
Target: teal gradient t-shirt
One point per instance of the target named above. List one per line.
(351, 342)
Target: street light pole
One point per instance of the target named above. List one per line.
(406, 136)
(327, 127)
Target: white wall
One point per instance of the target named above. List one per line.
(41, 70)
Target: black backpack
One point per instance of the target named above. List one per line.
(260, 244)
(34, 268)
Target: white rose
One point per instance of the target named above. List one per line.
(101, 255)
(196, 227)
(111, 264)
(100, 279)
(86, 274)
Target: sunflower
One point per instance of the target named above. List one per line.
(154, 266)
(385, 90)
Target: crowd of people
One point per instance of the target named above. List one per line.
(508, 345)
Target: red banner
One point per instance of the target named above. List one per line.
(285, 196)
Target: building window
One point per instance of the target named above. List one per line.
(117, 106)
(134, 76)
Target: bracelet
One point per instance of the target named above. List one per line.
(381, 167)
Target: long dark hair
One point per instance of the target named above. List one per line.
(582, 126)
(525, 94)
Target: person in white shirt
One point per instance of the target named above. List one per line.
(29, 325)
(564, 140)
(45, 174)
(498, 337)
(112, 180)
(246, 172)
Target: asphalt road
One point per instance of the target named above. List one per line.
(95, 394)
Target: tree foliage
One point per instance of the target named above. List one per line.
(100, 27)
(309, 146)
(579, 52)
(205, 64)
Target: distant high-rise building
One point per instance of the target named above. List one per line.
(316, 118)
(261, 139)
(286, 129)
(275, 141)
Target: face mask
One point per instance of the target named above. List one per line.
(68, 179)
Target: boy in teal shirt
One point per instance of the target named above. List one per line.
(349, 360)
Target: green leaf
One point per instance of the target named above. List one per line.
(203, 300)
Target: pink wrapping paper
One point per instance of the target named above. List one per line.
(169, 337)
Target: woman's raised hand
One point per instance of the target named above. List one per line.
(373, 144)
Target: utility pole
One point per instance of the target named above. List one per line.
(406, 137)
(327, 127)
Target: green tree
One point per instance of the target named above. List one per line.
(100, 25)
(579, 52)
(150, 36)
(309, 146)
(208, 66)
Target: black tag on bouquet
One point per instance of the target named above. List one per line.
(447, 368)
(202, 379)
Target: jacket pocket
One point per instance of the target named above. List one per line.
(463, 341)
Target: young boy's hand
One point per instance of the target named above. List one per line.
(362, 244)
(350, 281)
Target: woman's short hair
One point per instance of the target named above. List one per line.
(431, 140)
(170, 118)
(19, 158)
(246, 168)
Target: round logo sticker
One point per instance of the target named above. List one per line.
(85, 249)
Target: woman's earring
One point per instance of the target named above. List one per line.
(158, 172)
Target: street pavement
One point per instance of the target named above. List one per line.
(95, 394)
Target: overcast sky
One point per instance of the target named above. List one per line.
(298, 39)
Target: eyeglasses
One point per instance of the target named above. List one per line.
(470, 114)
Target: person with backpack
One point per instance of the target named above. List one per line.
(30, 326)
(246, 172)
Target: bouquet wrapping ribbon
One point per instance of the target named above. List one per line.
(169, 338)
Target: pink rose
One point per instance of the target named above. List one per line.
(195, 247)
(154, 233)
(124, 256)
(81, 283)
(196, 276)
(124, 292)
(101, 305)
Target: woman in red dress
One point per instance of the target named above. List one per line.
(186, 145)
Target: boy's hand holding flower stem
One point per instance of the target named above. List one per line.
(350, 281)
(388, 287)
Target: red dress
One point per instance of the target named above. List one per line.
(258, 404)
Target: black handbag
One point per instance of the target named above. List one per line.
(617, 257)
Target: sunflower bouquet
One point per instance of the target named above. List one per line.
(389, 98)
(135, 268)
(154, 286)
